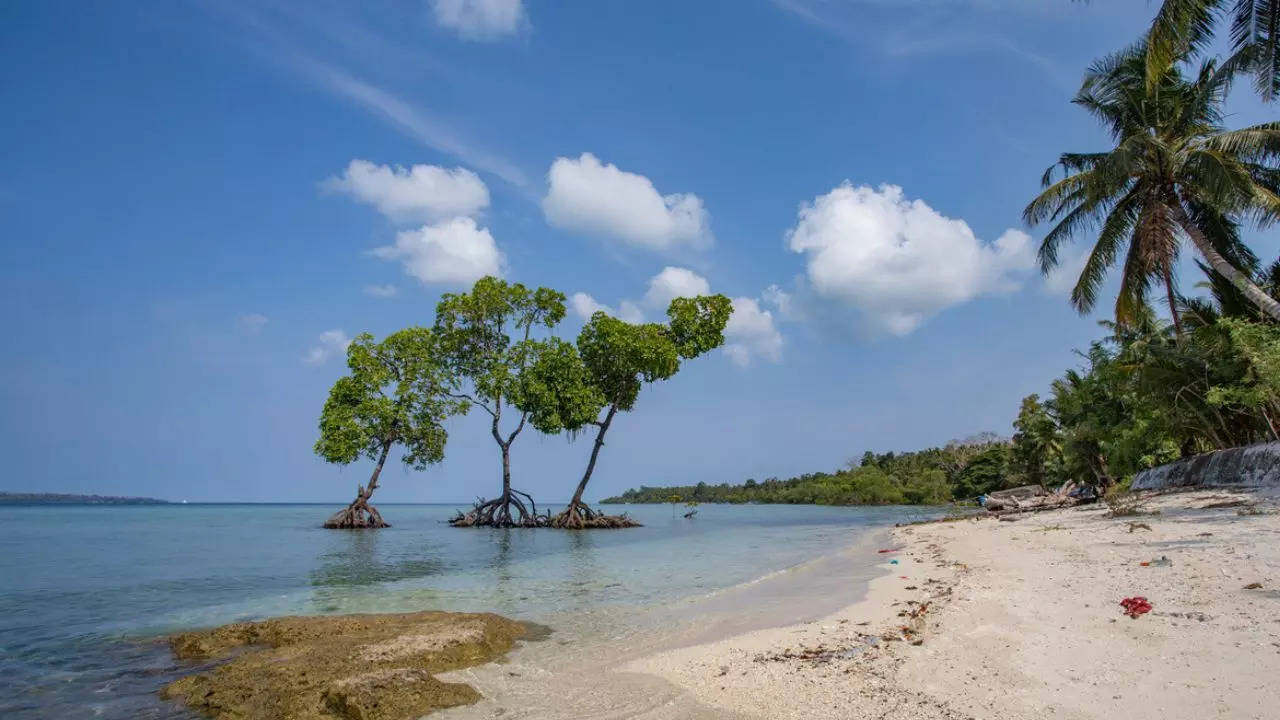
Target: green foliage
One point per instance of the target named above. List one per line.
(475, 332)
(1184, 27)
(1036, 455)
(1258, 388)
(915, 478)
(621, 357)
(1175, 172)
(696, 325)
(397, 392)
(557, 390)
(984, 473)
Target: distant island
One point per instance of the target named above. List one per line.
(14, 498)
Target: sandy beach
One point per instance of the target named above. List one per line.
(991, 619)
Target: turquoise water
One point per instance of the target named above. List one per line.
(85, 591)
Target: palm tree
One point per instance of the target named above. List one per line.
(1184, 26)
(1175, 173)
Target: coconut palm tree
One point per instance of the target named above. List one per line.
(1184, 26)
(1174, 174)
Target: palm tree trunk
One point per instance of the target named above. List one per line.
(1173, 301)
(1242, 282)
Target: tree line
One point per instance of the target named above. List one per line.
(961, 469)
(492, 349)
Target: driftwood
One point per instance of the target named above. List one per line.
(1048, 502)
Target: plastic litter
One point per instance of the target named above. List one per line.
(1135, 606)
(1162, 561)
(894, 561)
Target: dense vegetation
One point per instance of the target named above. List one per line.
(964, 468)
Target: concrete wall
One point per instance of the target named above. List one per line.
(1254, 465)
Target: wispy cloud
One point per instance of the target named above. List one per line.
(251, 323)
(323, 48)
(381, 291)
(329, 344)
(414, 121)
(912, 28)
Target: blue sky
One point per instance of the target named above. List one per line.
(201, 200)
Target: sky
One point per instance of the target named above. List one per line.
(201, 202)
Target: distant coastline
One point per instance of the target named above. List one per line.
(16, 498)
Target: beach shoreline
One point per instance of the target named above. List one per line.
(1024, 619)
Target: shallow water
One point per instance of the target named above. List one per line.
(84, 591)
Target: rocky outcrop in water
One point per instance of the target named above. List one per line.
(1253, 466)
(361, 667)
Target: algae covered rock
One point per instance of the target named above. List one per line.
(362, 667)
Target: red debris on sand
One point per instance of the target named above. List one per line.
(1135, 606)
(888, 550)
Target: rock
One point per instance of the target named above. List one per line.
(363, 667)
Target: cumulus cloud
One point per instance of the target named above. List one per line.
(589, 197)
(751, 333)
(456, 252)
(251, 323)
(381, 291)
(417, 193)
(899, 262)
(330, 343)
(674, 282)
(481, 19)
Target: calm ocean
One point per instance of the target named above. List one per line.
(86, 590)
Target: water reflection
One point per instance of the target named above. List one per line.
(356, 562)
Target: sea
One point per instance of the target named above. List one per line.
(87, 593)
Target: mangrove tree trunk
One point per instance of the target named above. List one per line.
(578, 515)
(360, 514)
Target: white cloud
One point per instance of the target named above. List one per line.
(481, 19)
(381, 291)
(412, 120)
(251, 323)
(584, 306)
(456, 252)
(674, 282)
(589, 197)
(421, 192)
(330, 343)
(751, 333)
(781, 301)
(898, 262)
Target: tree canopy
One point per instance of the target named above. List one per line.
(619, 358)
(1175, 172)
(398, 392)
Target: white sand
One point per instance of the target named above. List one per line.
(1025, 621)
